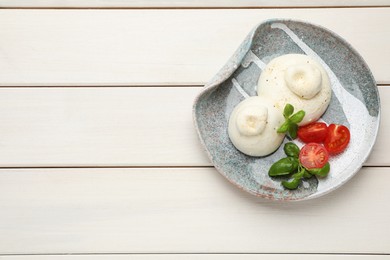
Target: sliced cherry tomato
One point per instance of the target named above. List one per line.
(337, 139)
(313, 155)
(313, 133)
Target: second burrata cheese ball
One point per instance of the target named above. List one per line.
(298, 80)
(253, 127)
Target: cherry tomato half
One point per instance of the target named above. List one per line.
(337, 139)
(313, 155)
(313, 133)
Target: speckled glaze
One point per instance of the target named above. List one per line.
(355, 103)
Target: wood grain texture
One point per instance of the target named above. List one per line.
(185, 3)
(153, 213)
(114, 127)
(158, 47)
(98, 127)
(183, 210)
(198, 257)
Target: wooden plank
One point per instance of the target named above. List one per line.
(183, 210)
(98, 127)
(197, 257)
(45, 127)
(158, 47)
(185, 3)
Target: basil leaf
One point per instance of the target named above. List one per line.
(321, 172)
(288, 110)
(298, 117)
(291, 184)
(292, 130)
(291, 149)
(284, 166)
(307, 174)
(284, 127)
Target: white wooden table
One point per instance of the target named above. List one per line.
(99, 158)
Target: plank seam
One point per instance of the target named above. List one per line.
(108, 167)
(193, 7)
(217, 253)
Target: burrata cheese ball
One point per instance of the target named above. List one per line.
(253, 127)
(298, 80)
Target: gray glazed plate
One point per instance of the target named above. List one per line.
(355, 103)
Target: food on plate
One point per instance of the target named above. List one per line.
(257, 125)
(286, 165)
(337, 138)
(290, 124)
(295, 167)
(315, 132)
(313, 155)
(252, 127)
(291, 150)
(313, 158)
(320, 172)
(299, 80)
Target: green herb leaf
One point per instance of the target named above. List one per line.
(284, 127)
(293, 130)
(321, 172)
(291, 184)
(298, 117)
(291, 149)
(288, 110)
(284, 166)
(307, 174)
(290, 124)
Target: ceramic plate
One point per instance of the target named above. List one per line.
(354, 103)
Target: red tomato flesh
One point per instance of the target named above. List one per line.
(313, 155)
(337, 139)
(313, 133)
